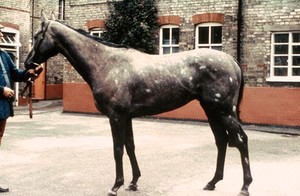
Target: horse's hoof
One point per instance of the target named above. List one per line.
(111, 193)
(244, 193)
(209, 187)
(132, 187)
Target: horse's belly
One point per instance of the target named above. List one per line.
(151, 107)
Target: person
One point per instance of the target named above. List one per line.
(9, 73)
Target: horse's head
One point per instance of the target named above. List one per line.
(43, 45)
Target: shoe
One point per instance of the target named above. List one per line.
(3, 190)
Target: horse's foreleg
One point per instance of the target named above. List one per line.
(118, 134)
(130, 148)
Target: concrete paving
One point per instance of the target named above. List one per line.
(62, 154)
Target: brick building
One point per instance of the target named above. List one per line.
(263, 35)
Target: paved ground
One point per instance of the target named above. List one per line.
(62, 154)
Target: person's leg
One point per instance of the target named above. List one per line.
(2, 129)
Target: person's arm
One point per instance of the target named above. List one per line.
(18, 75)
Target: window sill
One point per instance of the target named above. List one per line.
(283, 79)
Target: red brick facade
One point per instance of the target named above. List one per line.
(96, 23)
(208, 17)
(169, 20)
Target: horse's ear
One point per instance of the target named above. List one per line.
(43, 16)
(52, 16)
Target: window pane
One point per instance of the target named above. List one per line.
(296, 49)
(217, 48)
(280, 71)
(175, 49)
(281, 49)
(166, 36)
(281, 61)
(166, 50)
(296, 37)
(296, 60)
(175, 36)
(203, 35)
(203, 47)
(216, 35)
(281, 38)
(296, 71)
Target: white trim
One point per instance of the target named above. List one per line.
(289, 55)
(209, 44)
(283, 79)
(93, 32)
(61, 9)
(171, 45)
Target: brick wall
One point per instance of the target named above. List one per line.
(17, 15)
(260, 18)
(187, 9)
(181, 11)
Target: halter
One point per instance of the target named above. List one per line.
(40, 42)
(42, 38)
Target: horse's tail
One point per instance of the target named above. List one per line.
(241, 92)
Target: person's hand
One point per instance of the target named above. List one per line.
(39, 69)
(31, 74)
(8, 92)
(34, 72)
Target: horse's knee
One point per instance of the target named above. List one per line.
(236, 136)
(238, 140)
(118, 153)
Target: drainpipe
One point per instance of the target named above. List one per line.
(32, 18)
(239, 30)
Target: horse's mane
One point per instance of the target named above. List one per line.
(98, 39)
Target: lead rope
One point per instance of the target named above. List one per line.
(30, 82)
(28, 86)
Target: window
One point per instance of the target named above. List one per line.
(169, 39)
(61, 10)
(285, 57)
(96, 33)
(209, 35)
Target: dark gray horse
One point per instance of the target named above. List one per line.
(127, 83)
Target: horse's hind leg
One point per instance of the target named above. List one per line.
(238, 138)
(221, 143)
(226, 128)
(130, 148)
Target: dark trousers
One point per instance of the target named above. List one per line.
(2, 128)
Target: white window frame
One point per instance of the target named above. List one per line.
(61, 10)
(290, 43)
(209, 44)
(96, 33)
(172, 46)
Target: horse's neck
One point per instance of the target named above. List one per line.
(82, 52)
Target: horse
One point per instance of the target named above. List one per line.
(127, 83)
